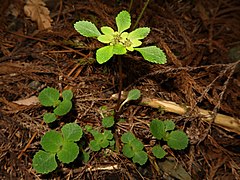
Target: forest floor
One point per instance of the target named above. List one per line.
(201, 40)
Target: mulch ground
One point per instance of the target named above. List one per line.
(202, 42)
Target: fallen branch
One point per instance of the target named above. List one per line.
(227, 122)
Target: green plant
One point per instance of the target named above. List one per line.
(119, 42)
(101, 140)
(133, 94)
(133, 148)
(50, 97)
(164, 130)
(63, 144)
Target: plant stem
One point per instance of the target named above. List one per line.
(141, 14)
(120, 86)
(130, 6)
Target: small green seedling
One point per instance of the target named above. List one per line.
(119, 42)
(49, 97)
(164, 130)
(134, 94)
(101, 140)
(61, 144)
(133, 148)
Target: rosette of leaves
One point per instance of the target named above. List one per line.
(63, 144)
(50, 97)
(133, 148)
(164, 130)
(101, 140)
(119, 42)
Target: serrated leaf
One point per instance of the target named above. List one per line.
(128, 151)
(44, 162)
(169, 125)
(177, 140)
(158, 151)
(52, 141)
(108, 134)
(104, 54)
(67, 94)
(152, 54)
(94, 145)
(63, 108)
(123, 21)
(140, 157)
(108, 121)
(134, 94)
(127, 137)
(139, 33)
(119, 49)
(71, 132)
(104, 143)
(49, 117)
(48, 97)
(157, 129)
(137, 145)
(68, 152)
(87, 29)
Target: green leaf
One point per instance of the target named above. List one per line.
(48, 97)
(88, 128)
(140, 157)
(108, 134)
(107, 30)
(49, 117)
(108, 121)
(67, 94)
(158, 151)
(44, 162)
(123, 21)
(94, 145)
(68, 152)
(106, 38)
(72, 132)
(134, 94)
(152, 54)
(137, 145)
(87, 29)
(139, 33)
(52, 141)
(104, 54)
(85, 156)
(119, 49)
(157, 129)
(127, 137)
(63, 108)
(177, 140)
(169, 125)
(128, 151)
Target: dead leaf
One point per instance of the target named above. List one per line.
(36, 10)
(33, 100)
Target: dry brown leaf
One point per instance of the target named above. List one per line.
(36, 10)
(33, 100)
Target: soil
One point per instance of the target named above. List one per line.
(201, 40)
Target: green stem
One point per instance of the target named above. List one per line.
(141, 14)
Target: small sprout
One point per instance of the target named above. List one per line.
(133, 148)
(119, 42)
(134, 94)
(85, 156)
(158, 151)
(101, 140)
(176, 139)
(50, 97)
(61, 144)
(108, 121)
